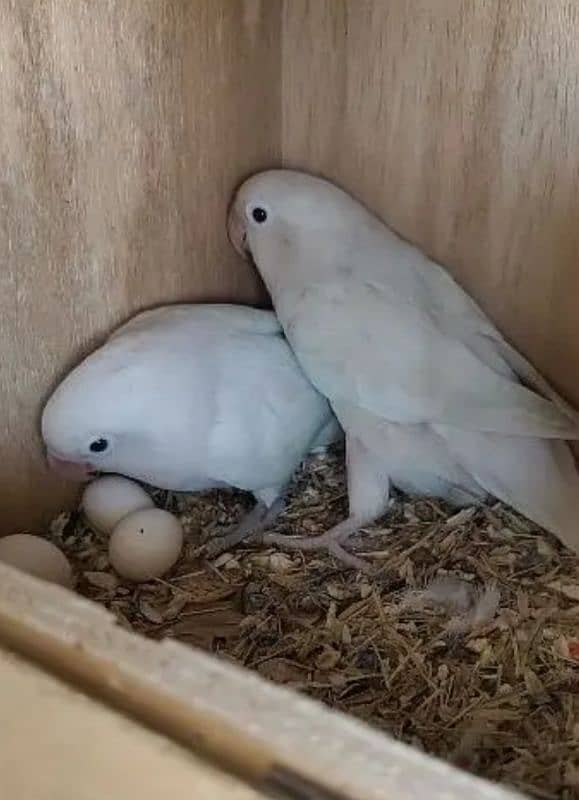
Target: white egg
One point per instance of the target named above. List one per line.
(146, 544)
(36, 556)
(107, 500)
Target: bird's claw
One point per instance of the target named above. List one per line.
(250, 528)
(220, 544)
(331, 541)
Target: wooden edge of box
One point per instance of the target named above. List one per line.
(57, 741)
(276, 739)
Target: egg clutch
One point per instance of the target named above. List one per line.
(144, 541)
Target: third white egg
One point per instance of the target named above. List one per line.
(36, 556)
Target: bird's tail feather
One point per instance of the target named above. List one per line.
(537, 477)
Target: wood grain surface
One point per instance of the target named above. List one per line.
(458, 122)
(126, 123)
(56, 743)
(125, 126)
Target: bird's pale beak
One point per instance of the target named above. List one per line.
(70, 470)
(237, 232)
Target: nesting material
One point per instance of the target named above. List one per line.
(464, 643)
(36, 556)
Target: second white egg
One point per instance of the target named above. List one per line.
(146, 544)
(106, 501)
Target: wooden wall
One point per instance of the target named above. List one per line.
(125, 125)
(457, 121)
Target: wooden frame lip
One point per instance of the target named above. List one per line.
(279, 742)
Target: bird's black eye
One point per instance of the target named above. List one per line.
(98, 446)
(259, 214)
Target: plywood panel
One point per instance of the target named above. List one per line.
(58, 744)
(125, 126)
(458, 122)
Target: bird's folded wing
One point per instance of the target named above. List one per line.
(359, 342)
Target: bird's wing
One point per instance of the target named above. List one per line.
(267, 414)
(458, 315)
(361, 342)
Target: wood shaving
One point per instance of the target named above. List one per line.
(464, 642)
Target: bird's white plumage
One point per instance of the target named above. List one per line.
(426, 372)
(192, 397)
(418, 376)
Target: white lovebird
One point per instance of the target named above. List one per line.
(188, 398)
(432, 398)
